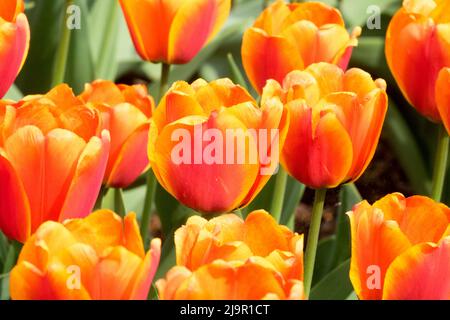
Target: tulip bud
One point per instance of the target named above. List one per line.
(289, 37)
(53, 155)
(401, 249)
(336, 121)
(99, 257)
(173, 31)
(126, 112)
(227, 258)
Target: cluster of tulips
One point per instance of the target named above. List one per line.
(58, 149)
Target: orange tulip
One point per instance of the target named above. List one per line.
(52, 160)
(401, 249)
(228, 258)
(99, 257)
(289, 37)
(202, 148)
(417, 48)
(126, 112)
(14, 41)
(336, 121)
(173, 31)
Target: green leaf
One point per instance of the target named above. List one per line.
(80, 67)
(45, 20)
(356, 12)
(292, 198)
(237, 76)
(335, 285)
(324, 252)
(172, 213)
(348, 197)
(352, 296)
(406, 150)
(104, 28)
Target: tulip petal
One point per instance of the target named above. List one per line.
(420, 273)
(375, 244)
(15, 218)
(102, 222)
(146, 272)
(87, 179)
(428, 46)
(328, 147)
(220, 93)
(231, 182)
(443, 96)
(223, 281)
(132, 236)
(149, 28)
(113, 275)
(318, 13)
(420, 218)
(317, 44)
(45, 173)
(131, 161)
(263, 234)
(14, 43)
(268, 57)
(195, 23)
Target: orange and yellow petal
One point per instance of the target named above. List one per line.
(268, 57)
(195, 23)
(87, 179)
(420, 273)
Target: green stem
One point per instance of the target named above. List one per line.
(59, 68)
(265, 4)
(164, 84)
(148, 206)
(440, 164)
(313, 238)
(278, 195)
(119, 204)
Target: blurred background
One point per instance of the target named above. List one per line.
(102, 48)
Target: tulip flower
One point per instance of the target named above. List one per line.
(227, 258)
(52, 160)
(99, 257)
(126, 112)
(14, 41)
(401, 249)
(173, 32)
(336, 121)
(417, 48)
(289, 37)
(212, 147)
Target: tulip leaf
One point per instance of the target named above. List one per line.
(45, 20)
(104, 27)
(172, 213)
(406, 150)
(80, 67)
(348, 197)
(356, 13)
(322, 263)
(292, 198)
(335, 285)
(237, 78)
